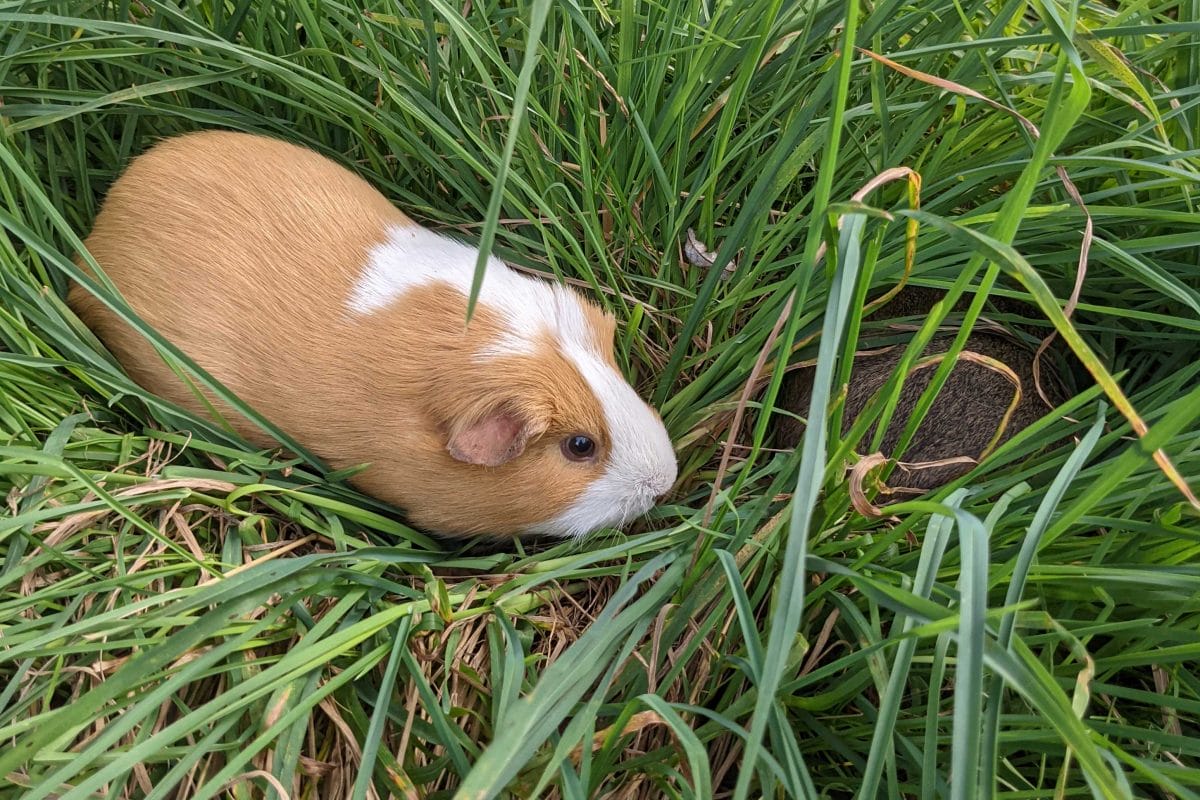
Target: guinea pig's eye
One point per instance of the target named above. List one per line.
(578, 447)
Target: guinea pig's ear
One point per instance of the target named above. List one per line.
(495, 438)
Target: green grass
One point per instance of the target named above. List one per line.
(181, 616)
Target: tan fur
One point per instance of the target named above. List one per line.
(605, 328)
(242, 251)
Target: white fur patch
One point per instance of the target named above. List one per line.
(412, 257)
(640, 465)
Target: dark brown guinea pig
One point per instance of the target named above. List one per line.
(966, 413)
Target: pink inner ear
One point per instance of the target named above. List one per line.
(494, 440)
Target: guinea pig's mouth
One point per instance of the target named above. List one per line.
(601, 507)
(638, 506)
(622, 514)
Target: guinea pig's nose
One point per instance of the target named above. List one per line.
(657, 487)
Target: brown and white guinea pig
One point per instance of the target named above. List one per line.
(302, 289)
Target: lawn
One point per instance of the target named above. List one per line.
(183, 616)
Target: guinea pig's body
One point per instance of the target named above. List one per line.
(305, 292)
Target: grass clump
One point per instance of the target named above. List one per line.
(182, 616)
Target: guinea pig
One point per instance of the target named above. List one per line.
(305, 292)
(965, 415)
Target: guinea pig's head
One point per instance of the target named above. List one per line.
(564, 441)
(539, 431)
